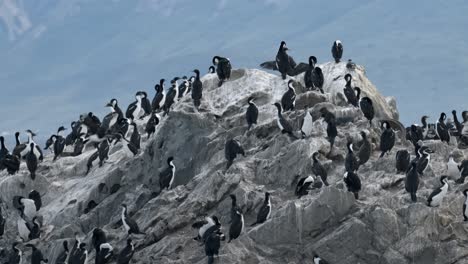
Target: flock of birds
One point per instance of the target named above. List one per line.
(90, 132)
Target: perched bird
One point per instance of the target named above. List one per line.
(318, 169)
(126, 255)
(283, 124)
(288, 101)
(353, 183)
(223, 69)
(36, 256)
(337, 50)
(103, 151)
(265, 210)
(425, 127)
(313, 77)
(351, 162)
(99, 237)
(234, 206)
(212, 245)
(36, 197)
(307, 125)
(367, 108)
(134, 109)
(211, 69)
(19, 147)
(252, 113)
(284, 63)
(387, 139)
(365, 150)
(166, 177)
(153, 121)
(34, 229)
(145, 103)
(31, 162)
(442, 129)
(436, 197)
(231, 149)
(63, 256)
(59, 143)
(237, 221)
(352, 94)
(16, 255)
(206, 227)
(402, 161)
(105, 254)
(412, 181)
(332, 131)
(303, 186)
(135, 138)
(130, 225)
(11, 163)
(424, 159)
(458, 125)
(171, 96)
(160, 97)
(197, 89)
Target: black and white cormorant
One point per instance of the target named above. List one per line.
(313, 77)
(402, 161)
(171, 95)
(284, 63)
(153, 121)
(36, 256)
(223, 69)
(337, 50)
(134, 109)
(197, 89)
(353, 183)
(365, 150)
(351, 162)
(265, 210)
(303, 185)
(283, 124)
(442, 129)
(166, 177)
(288, 100)
(252, 113)
(424, 159)
(126, 255)
(318, 169)
(307, 124)
(387, 139)
(232, 148)
(237, 220)
(134, 143)
(412, 181)
(129, 224)
(31, 162)
(436, 197)
(160, 98)
(59, 144)
(367, 108)
(352, 94)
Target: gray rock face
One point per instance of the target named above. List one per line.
(383, 226)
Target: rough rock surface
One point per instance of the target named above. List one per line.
(383, 226)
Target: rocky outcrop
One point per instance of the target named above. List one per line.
(383, 226)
